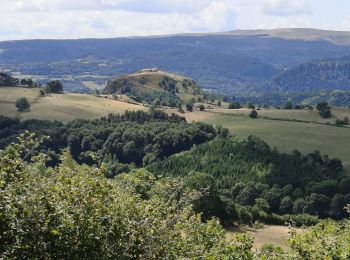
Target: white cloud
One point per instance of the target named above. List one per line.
(285, 7)
(345, 24)
(282, 22)
(150, 6)
(113, 18)
(62, 19)
(164, 6)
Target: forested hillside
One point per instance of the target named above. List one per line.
(315, 76)
(250, 173)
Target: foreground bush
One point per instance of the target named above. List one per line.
(74, 212)
(327, 240)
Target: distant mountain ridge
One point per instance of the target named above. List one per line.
(237, 63)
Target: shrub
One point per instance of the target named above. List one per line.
(324, 109)
(74, 212)
(288, 105)
(251, 106)
(55, 86)
(327, 240)
(189, 107)
(253, 114)
(234, 105)
(340, 122)
(326, 112)
(322, 105)
(22, 104)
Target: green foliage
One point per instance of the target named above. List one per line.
(250, 174)
(135, 137)
(328, 74)
(22, 104)
(326, 112)
(251, 105)
(54, 86)
(253, 114)
(7, 80)
(288, 105)
(168, 84)
(74, 212)
(324, 109)
(322, 105)
(156, 88)
(234, 105)
(342, 122)
(327, 240)
(189, 107)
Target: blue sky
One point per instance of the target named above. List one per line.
(28, 19)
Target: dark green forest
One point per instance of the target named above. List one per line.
(151, 185)
(245, 180)
(137, 138)
(251, 174)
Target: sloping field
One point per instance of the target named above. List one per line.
(61, 107)
(311, 116)
(287, 136)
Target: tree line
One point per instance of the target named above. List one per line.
(137, 138)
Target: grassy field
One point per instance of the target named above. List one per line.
(61, 107)
(268, 234)
(283, 134)
(311, 116)
(288, 135)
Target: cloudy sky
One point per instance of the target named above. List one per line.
(28, 19)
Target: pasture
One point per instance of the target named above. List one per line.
(61, 107)
(311, 116)
(287, 136)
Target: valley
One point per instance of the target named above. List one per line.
(229, 145)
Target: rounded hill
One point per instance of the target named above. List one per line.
(155, 86)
